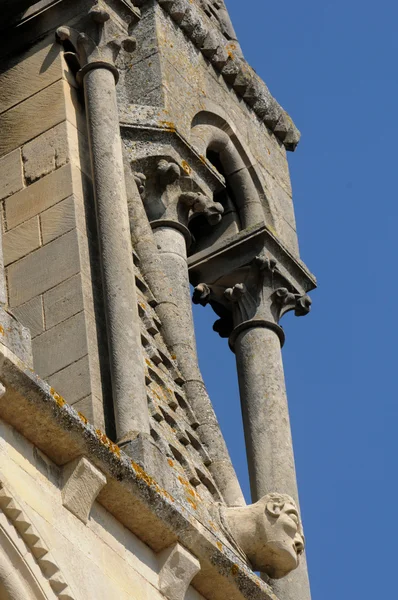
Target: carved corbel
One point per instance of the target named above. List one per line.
(269, 534)
(82, 482)
(178, 568)
(98, 47)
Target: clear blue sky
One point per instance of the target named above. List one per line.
(333, 66)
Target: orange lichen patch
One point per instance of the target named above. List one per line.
(186, 167)
(168, 125)
(202, 158)
(1, 330)
(234, 570)
(58, 399)
(82, 417)
(193, 504)
(141, 474)
(219, 546)
(171, 463)
(107, 442)
(213, 526)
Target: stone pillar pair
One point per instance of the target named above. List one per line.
(96, 52)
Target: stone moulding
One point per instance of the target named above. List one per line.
(226, 60)
(131, 495)
(38, 548)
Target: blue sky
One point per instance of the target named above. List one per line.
(332, 65)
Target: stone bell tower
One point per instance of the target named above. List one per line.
(141, 154)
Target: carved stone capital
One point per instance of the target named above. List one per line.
(256, 295)
(269, 533)
(96, 47)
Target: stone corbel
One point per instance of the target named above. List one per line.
(82, 482)
(178, 568)
(269, 534)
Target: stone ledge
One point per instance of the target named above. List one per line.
(131, 495)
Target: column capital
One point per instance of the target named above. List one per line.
(255, 295)
(172, 197)
(97, 47)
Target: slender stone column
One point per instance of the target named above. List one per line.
(265, 413)
(251, 309)
(98, 75)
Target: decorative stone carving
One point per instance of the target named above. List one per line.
(178, 568)
(255, 294)
(99, 46)
(48, 566)
(82, 482)
(269, 533)
(172, 197)
(216, 40)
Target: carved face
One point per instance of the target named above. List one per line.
(282, 529)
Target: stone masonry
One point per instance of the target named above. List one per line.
(142, 157)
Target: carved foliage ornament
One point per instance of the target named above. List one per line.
(256, 295)
(99, 46)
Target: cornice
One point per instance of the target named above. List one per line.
(226, 59)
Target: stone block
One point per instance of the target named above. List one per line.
(15, 337)
(11, 174)
(82, 482)
(21, 240)
(31, 72)
(43, 269)
(53, 149)
(37, 114)
(58, 220)
(62, 345)
(92, 409)
(178, 568)
(63, 301)
(31, 315)
(42, 194)
(73, 382)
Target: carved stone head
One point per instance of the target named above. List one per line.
(269, 533)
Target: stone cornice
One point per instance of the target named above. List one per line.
(131, 495)
(226, 59)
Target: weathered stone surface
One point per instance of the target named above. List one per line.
(21, 240)
(31, 315)
(60, 346)
(21, 123)
(53, 149)
(58, 220)
(43, 269)
(41, 195)
(178, 568)
(82, 482)
(11, 174)
(74, 381)
(63, 301)
(27, 74)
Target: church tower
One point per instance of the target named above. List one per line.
(141, 158)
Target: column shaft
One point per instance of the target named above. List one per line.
(124, 338)
(172, 247)
(268, 434)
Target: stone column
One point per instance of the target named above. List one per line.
(250, 311)
(98, 75)
(169, 207)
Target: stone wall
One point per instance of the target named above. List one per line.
(48, 220)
